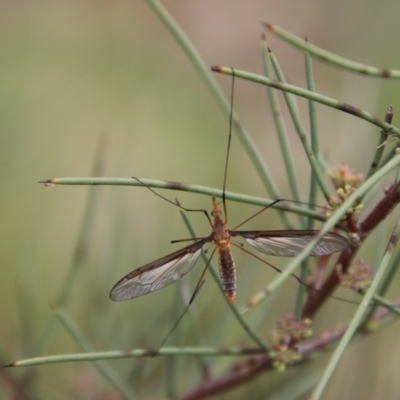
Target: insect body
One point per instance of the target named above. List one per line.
(168, 269)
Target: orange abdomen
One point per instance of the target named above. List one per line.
(227, 272)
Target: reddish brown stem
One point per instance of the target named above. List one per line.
(249, 369)
(316, 299)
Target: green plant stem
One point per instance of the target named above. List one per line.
(386, 282)
(312, 197)
(319, 98)
(301, 132)
(118, 354)
(280, 129)
(381, 145)
(205, 190)
(329, 57)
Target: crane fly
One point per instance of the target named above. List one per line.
(168, 269)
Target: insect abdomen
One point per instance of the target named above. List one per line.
(227, 272)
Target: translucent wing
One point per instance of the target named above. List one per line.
(157, 274)
(289, 243)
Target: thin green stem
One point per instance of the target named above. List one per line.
(397, 175)
(386, 282)
(301, 132)
(118, 354)
(379, 300)
(312, 197)
(316, 173)
(381, 145)
(319, 98)
(205, 190)
(393, 148)
(329, 57)
(281, 129)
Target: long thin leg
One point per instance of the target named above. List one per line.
(175, 203)
(195, 292)
(293, 275)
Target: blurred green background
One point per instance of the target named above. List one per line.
(72, 72)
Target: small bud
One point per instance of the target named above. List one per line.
(357, 277)
(343, 175)
(343, 193)
(289, 332)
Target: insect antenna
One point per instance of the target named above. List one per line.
(228, 146)
(257, 213)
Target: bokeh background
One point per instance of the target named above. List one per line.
(74, 72)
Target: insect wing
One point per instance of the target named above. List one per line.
(289, 243)
(157, 274)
